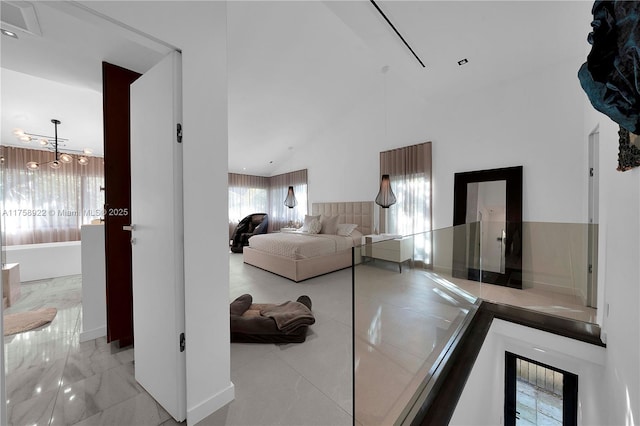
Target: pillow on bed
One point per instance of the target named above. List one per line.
(307, 221)
(329, 224)
(345, 229)
(314, 226)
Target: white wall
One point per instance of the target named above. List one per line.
(535, 121)
(482, 401)
(199, 30)
(44, 261)
(619, 270)
(94, 287)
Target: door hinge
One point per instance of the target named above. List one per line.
(182, 342)
(590, 171)
(179, 133)
(591, 269)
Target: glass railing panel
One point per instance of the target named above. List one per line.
(405, 319)
(547, 267)
(413, 294)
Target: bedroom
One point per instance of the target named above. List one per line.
(493, 117)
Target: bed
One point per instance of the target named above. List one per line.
(299, 262)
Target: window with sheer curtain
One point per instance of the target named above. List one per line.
(409, 169)
(280, 215)
(48, 205)
(258, 194)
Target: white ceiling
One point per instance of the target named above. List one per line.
(58, 74)
(293, 66)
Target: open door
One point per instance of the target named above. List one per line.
(157, 235)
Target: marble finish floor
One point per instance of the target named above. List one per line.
(53, 379)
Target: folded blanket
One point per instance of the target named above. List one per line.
(289, 316)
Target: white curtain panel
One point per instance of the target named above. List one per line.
(48, 205)
(409, 169)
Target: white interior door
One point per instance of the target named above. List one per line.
(157, 235)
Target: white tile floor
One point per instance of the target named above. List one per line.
(402, 322)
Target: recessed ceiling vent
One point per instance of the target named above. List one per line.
(20, 15)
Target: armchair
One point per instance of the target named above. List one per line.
(254, 224)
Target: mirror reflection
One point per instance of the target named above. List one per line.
(488, 248)
(486, 207)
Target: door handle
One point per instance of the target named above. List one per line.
(129, 227)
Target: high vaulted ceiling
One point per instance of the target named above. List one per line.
(293, 66)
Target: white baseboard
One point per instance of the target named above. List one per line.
(211, 405)
(85, 336)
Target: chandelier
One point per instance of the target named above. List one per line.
(59, 157)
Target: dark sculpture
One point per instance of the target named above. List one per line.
(611, 75)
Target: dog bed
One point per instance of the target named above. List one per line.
(270, 323)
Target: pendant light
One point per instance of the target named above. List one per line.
(290, 201)
(385, 197)
(59, 158)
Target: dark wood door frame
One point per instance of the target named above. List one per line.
(117, 170)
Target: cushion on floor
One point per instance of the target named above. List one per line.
(270, 323)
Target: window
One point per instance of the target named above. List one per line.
(258, 194)
(48, 205)
(409, 169)
(247, 195)
(537, 394)
(279, 214)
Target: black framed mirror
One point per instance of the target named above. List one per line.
(487, 219)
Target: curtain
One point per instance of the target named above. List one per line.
(409, 169)
(258, 194)
(280, 215)
(247, 194)
(48, 205)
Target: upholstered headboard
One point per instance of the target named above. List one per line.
(358, 212)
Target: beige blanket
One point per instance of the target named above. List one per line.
(289, 316)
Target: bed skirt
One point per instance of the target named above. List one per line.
(301, 269)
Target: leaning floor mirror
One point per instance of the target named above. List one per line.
(487, 219)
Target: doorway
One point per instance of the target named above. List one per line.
(92, 41)
(537, 393)
(592, 239)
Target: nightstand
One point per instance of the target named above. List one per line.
(386, 247)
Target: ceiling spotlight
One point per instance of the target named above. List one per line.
(87, 151)
(44, 142)
(32, 165)
(8, 33)
(82, 160)
(18, 132)
(54, 164)
(25, 138)
(463, 61)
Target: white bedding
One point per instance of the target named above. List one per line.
(298, 245)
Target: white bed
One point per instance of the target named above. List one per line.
(293, 256)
